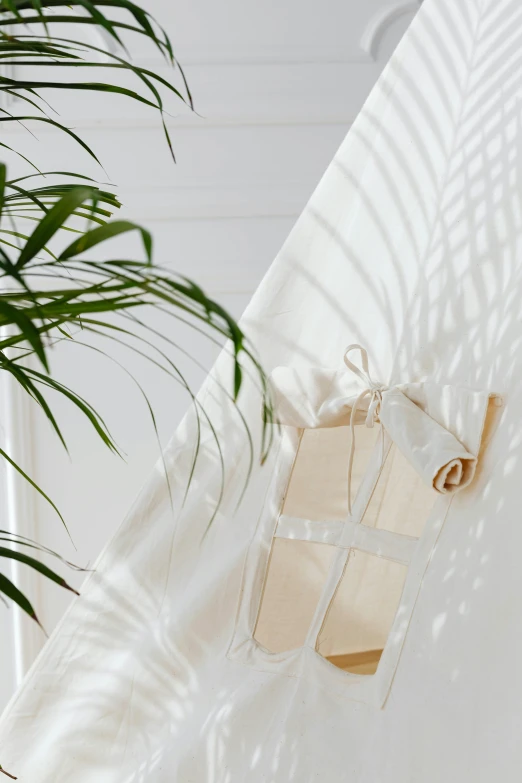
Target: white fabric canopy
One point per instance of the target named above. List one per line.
(412, 246)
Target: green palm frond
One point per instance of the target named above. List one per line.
(37, 54)
(10, 590)
(50, 293)
(28, 11)
(88, 292)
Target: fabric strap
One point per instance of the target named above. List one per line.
(374, 392)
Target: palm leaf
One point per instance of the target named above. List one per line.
(53, 221)
(108, 231)
(82, 290)
(12, 554)
(47, 120)
(32, 483)
(11, 591)
(145, 24)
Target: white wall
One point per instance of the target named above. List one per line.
(277, 86)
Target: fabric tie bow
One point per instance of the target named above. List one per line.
(374, 392)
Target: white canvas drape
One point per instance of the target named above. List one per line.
(411, 245)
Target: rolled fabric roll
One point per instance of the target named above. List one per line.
(439, 458)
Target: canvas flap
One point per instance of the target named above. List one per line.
(437, 427)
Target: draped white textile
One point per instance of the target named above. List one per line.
(411, 245)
